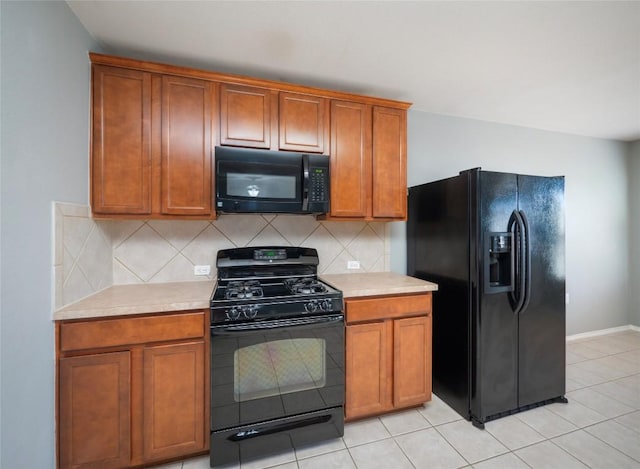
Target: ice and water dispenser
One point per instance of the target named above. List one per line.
(498, 262)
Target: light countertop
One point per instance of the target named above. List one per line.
(377, 283)
(122, 300)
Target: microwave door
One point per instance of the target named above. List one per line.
(248, 184)
(262, 181)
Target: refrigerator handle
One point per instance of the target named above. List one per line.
(527, 259)
(516, 298)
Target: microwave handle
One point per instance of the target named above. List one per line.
(305, 182)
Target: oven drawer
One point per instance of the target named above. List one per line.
(130, 331)
(233, 445)
(391, 307)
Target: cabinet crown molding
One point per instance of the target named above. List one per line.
(156, 67)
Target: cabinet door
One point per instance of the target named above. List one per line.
(411, 361)
(248, 116)
(350, 159)
(368, 369)
(304, 122)
(389, 163)
(121, 141)
(174, 407)
(187, 115)
(94, 401)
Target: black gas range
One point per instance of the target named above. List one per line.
(277, 354)
(258, 284)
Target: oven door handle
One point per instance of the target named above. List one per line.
(259, 326)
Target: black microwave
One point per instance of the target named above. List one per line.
(263, 181)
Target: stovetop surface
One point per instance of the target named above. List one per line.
(277, 301)
(257, 290)
(269, 282)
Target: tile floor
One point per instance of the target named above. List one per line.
(599, 428)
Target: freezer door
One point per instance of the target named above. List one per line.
(494, 324)
(541, 358)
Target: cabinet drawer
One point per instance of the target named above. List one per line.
(130, 331)
(373, 309)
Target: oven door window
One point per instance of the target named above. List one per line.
(278, 367)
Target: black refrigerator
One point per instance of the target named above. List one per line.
(494, 244)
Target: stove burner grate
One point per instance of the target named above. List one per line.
(243, 290)
(304, 286)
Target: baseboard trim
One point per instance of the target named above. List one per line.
(611, 330)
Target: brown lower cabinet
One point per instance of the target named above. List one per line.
(132, 391)
(388, 354)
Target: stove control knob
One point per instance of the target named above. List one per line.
(325, 305)
(234, 313)
(251, 312)
(311, 306)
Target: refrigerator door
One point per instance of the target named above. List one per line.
(541, 358)
(494, 324)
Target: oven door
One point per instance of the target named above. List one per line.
(276, 385)
(267, 370)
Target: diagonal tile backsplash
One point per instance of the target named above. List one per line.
(91, 255)
(82, 254)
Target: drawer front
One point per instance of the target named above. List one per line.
(374, 309)
(130, 331)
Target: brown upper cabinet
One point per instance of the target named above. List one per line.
(273, 120)
(246, 116)
(368, 162)
(350, 163)
(389, 163)
(152, 144)
(121, 156)
(304, 123)
(154, 128)
(187, 119)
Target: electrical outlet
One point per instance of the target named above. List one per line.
(201, 270)
(353, 264)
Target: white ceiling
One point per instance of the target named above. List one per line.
(570, 67)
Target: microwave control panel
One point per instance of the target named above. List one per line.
(318, 184)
